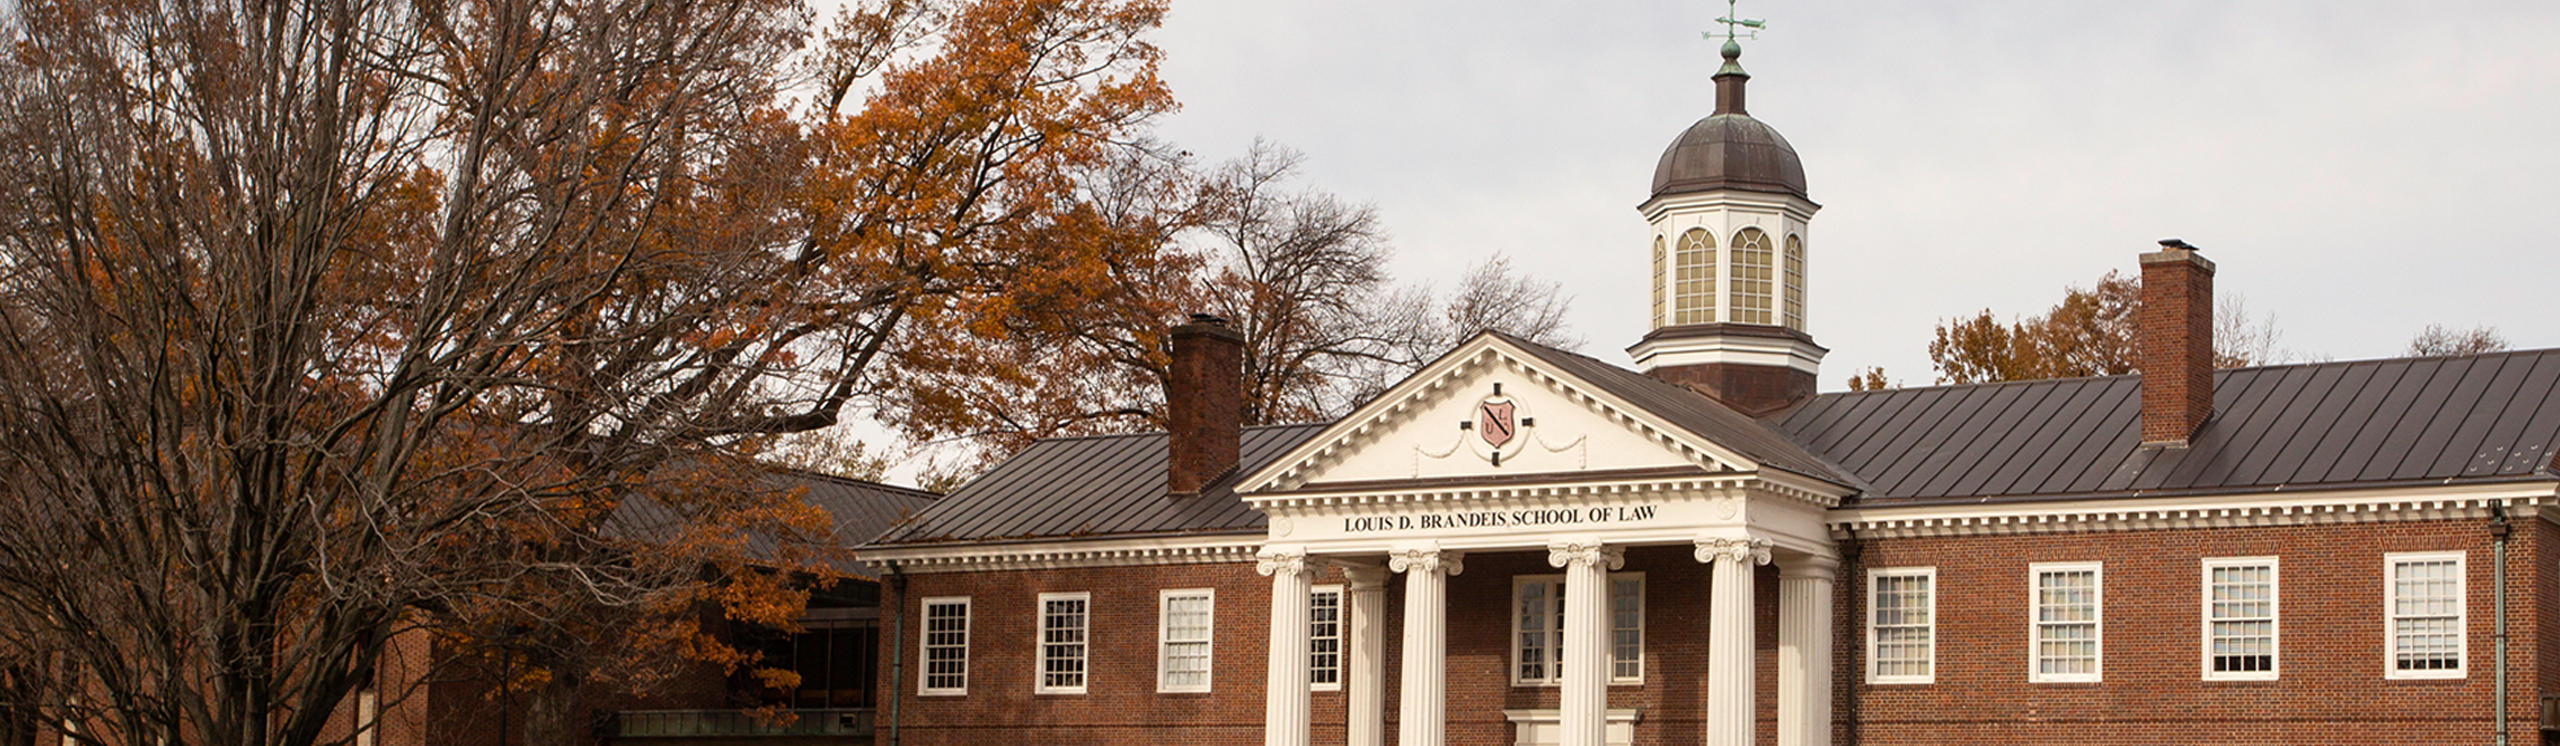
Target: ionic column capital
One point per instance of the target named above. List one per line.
(1586, 552)
(1276, 561)
(1439, 561)
(1752, 551)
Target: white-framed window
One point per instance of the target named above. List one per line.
(1693, 296)
(1537, 623)
(946, 647)
(1324, 637)
(1902, 625)
(1795, 282)
(1065, 619)
(2240, 619)
(1751, 277)
(1184, 618)
(2425, 604)
(2067, 633)
(1661, 291)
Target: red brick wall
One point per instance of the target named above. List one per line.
(2332, 689)
(2331, 655)
(1120, 704)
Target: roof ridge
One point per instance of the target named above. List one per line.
(1161, 433)
(794, 471)
(2271, 366)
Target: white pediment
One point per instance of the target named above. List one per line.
(1491, 410)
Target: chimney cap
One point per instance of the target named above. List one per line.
(1210, 319)
(2174, 242)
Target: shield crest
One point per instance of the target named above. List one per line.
(1494, 422)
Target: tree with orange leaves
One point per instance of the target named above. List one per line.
(321, 320)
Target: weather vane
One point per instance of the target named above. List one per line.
(1734, 24)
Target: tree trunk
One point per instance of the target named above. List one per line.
(556, 714)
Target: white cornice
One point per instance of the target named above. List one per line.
(1730, 199)
(1049, 555)
(2433, 503)
(1735, 349)
(1591, 492)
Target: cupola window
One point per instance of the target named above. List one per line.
(1659, 291)
(1751, 276)
(1696, 294)
(1795, 282)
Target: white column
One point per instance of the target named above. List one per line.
(1365, 688)
(1731, 708)
(1804, 650)
(1584, 651)
(1286, 722)
(1422, 713)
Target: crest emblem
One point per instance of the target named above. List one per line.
(1495, 422)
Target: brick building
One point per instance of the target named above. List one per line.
(1524, 545)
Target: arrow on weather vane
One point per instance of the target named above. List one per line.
(1734, 24)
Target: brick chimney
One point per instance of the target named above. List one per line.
(2177, 343)
(1204, 404)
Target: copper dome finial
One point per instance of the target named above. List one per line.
(1730, 77)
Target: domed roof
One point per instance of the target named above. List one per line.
(1729, 151)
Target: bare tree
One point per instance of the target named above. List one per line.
(1304, 274)
(2439, 340)
(1491, 298)
(2241, 340)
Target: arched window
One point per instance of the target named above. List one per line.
(1695, 297)
(1751, 276)
(1795, 282)
(1659, 292)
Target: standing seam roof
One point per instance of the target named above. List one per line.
(2490, 417)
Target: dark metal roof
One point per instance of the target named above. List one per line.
(1729, 151)
(1092, 486)
(856, 511)
(2492, 417)
(860, 509)
(1691, 411)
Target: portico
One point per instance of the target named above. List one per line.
(1580, 484)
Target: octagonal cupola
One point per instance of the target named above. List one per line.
(1729, 216)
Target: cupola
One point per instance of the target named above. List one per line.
(1730, 247)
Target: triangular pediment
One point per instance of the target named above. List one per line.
(1490, 409)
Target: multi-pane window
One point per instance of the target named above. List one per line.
(1902, 607)
(2426, 615)
(1660, 263)
(1626, 629)
(946, 646)
(1795, 283)
(1694, 296)
(2240, 618)
(2067, 605)
(1064, 619)
(1751, 277)
(1537, 620)
(1324, 637)
(1182, 641)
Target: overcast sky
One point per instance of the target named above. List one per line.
(2357, 169)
